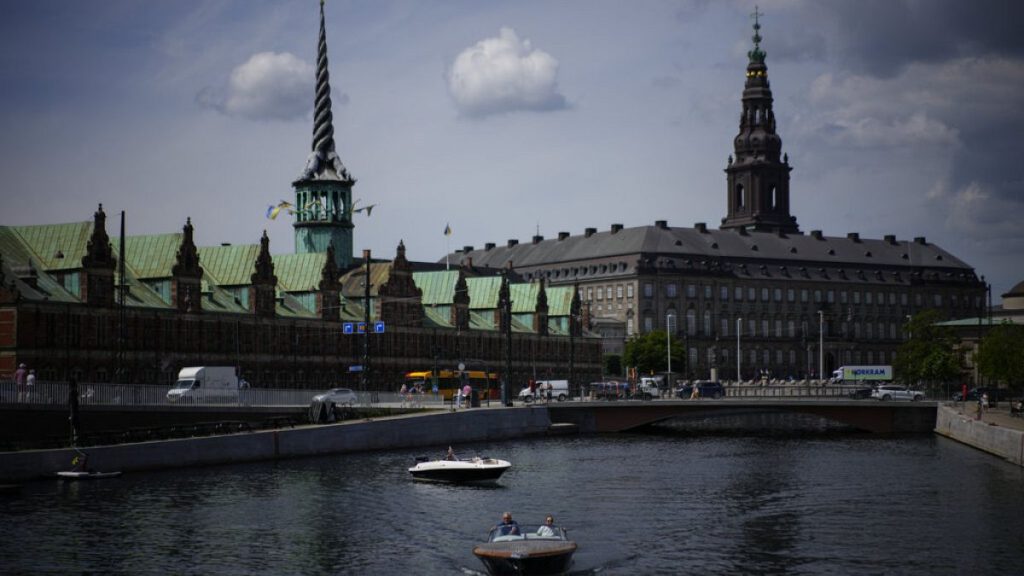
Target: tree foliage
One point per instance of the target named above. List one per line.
(929, 355)
(1000, 356)
(648, 353)
(613, 364)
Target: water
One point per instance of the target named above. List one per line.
(660, 504)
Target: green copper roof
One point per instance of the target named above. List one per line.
(229, 265)
(150, 257)
(559, 300)
(56, 246)
(483, 292)
(524, 297)
(438, 286)
(299, 272)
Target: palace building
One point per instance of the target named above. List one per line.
(75, 302)
(790, 303)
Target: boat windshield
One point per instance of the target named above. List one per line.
(529, 532)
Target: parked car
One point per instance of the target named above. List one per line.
(340, 397)
(894, 392)
(707, 389)
(861, 393)
(994, 395)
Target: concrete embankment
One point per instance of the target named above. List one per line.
(408, 431)
(1003, 441)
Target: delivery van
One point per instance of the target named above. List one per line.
(205, 384)
(559, 391)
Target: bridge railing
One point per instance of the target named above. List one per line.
(789, 391)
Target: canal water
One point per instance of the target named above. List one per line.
(667, 503)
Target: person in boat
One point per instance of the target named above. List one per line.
(450, 455)
(548, 528)
(80, 463)
(508, 526)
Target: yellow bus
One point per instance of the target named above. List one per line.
(448, 381)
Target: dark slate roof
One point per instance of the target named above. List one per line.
(730, 244)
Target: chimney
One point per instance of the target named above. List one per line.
(590, 232)
(512, 242)
(663, 224)
(616, 228)
(853, 236)
(467, 249)
(701, 227)
(816, 234)
(920, 240)
(489, 246)
(537, 239)
(890, 238)
(562, 236)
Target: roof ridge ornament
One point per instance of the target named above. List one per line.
(757, 55)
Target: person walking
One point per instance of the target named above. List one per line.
(19, 381)
(30, 385)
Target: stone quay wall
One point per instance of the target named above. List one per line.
(1005, 442)
(439, 428)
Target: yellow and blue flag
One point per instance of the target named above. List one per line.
(447, 230)
(273, 211)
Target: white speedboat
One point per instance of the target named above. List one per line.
(86, 475)
(481, 470)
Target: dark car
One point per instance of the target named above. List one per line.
(994, 395)
(706, 390)
(861, 393)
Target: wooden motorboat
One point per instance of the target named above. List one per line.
(526, 553)
(460, 470)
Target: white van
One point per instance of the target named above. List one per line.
(559, 390)
(205, 384)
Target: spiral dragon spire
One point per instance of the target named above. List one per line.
(323, 159)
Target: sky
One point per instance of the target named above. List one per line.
(510, 118)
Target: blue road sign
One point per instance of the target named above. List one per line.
(347, 328)
(378, 327)
(355, 368)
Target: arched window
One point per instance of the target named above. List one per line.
(739, 196)
(691, 322)
(707, 322)
(774, 195)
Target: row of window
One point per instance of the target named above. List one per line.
(777, 328)
(768, 294)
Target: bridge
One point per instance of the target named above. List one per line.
(868, 415)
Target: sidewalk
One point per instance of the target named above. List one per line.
(999, 416)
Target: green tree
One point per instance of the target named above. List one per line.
(613, 364)
(1000, 356)
(649, 354)
(928, 356)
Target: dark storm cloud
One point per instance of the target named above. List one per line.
(882, 37)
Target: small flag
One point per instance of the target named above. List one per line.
(273, 211)
(447, 230)
(367, 209)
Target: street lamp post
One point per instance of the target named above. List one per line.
(739, 326)
(821, 345)
(668, 343)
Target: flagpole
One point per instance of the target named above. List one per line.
(447, 240)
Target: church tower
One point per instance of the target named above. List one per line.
(758, 181)
(323, 192)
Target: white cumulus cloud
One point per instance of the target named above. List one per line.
(267, 86)
(504, 74)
